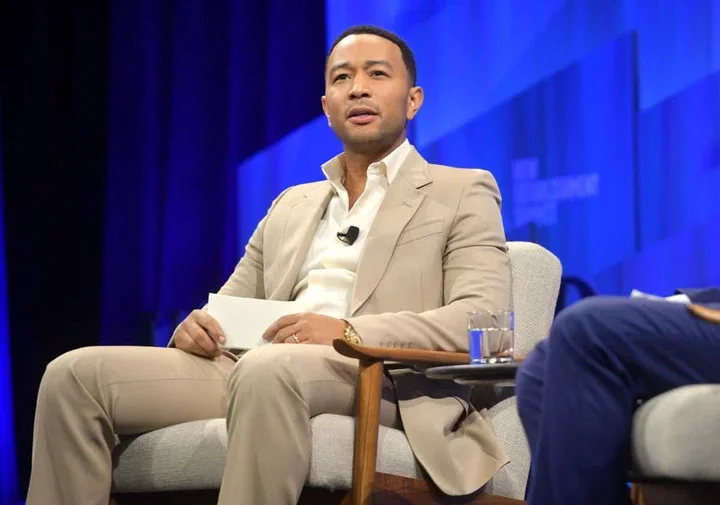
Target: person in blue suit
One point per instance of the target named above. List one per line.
(578, 389)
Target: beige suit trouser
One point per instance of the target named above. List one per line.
(89, 395)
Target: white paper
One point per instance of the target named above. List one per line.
(244, 320)
(681, 298)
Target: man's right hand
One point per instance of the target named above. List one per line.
(199, 334)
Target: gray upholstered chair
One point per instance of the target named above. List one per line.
(676, 443)
(184, 463)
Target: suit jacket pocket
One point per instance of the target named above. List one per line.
(420, 231)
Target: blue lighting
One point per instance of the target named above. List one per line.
(8, 471)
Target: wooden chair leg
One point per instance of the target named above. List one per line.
(396, 490)
(636, 495)
(367, 425)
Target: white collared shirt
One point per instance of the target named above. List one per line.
(327, 276)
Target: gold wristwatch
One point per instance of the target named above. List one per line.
(351, 335)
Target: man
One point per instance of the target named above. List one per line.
(430, 248)
(578, 389)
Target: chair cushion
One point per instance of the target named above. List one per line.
(676, 435)
(192, 456)
(182, 457)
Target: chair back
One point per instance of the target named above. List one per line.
(535, 276)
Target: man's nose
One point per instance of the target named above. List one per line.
(359, 88)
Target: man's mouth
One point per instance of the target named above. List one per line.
(361, 115)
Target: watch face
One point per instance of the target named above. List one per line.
(351, 336)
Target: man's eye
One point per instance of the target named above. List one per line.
(340, 77)
(376, 73)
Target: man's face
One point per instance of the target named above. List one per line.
(368, 98)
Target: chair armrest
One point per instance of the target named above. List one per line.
(370, 373)
(399, 355)
(705, 313)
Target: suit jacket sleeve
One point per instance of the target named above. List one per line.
(247, 280)
(476, 273)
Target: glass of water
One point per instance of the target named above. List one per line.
(491, 336)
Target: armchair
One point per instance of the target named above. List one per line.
(183, 464)
(675, 443)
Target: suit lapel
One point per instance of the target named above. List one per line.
(304, 216)
(399, 206)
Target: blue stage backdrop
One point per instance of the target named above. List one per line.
(8, 473)
(599, 118)
(196, 86)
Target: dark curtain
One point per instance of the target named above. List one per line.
(54, 80)
(196, 87)
(123, 124)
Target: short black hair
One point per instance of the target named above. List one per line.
(407, 55)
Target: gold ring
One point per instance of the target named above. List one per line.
(295, 339)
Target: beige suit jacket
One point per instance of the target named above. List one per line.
(435, 251)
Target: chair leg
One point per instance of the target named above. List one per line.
(395, 490)
(367, 425)
(636, 496)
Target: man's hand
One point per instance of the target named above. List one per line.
(200, 334)
(308, 328)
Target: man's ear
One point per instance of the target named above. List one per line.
(415, 101)
(323, 100)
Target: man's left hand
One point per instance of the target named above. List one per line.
(307, 328)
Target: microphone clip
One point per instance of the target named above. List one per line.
(350, 236)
